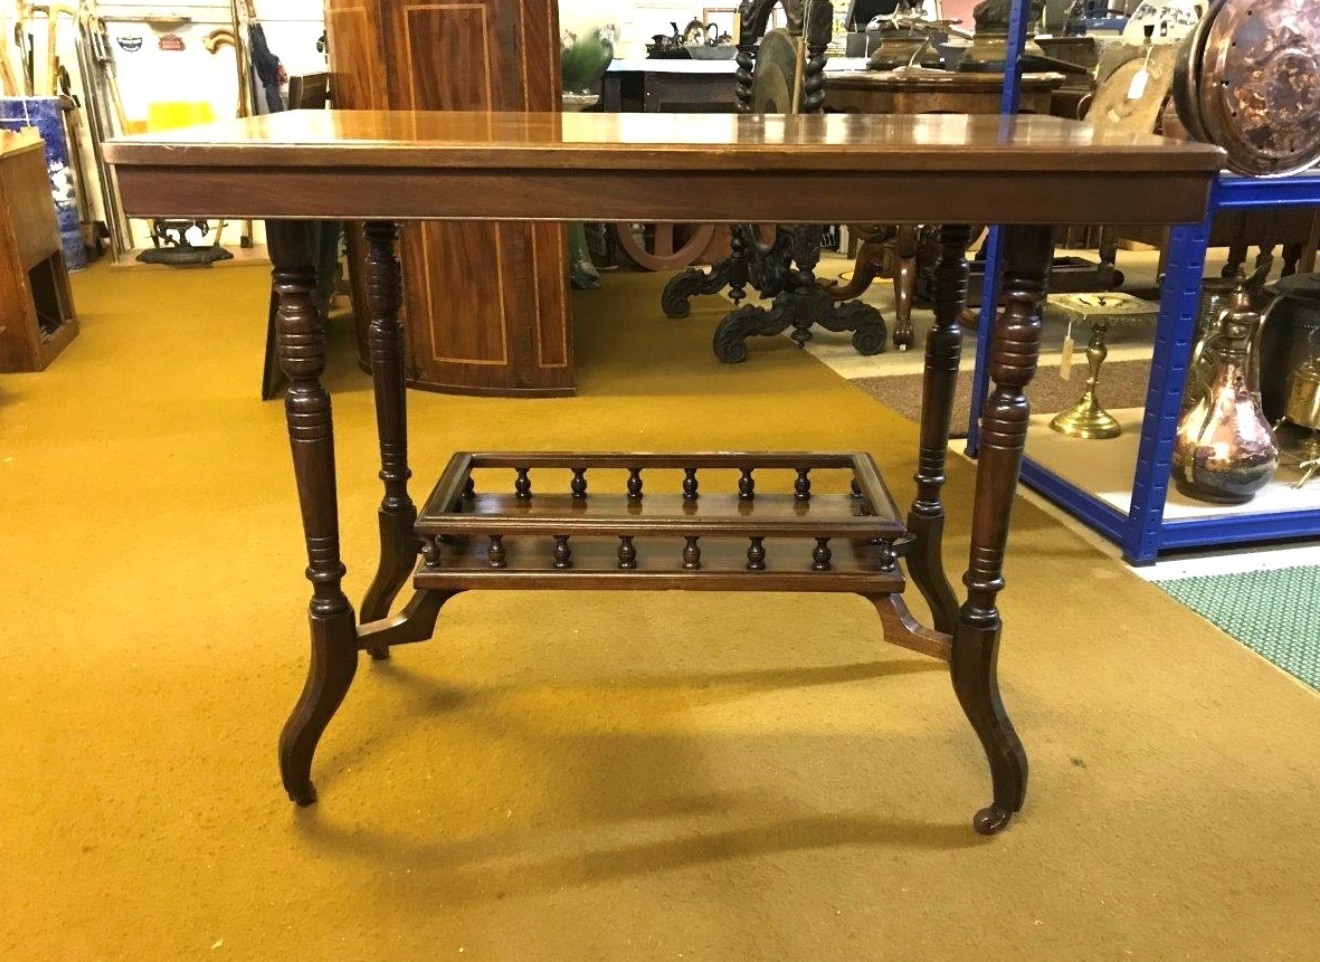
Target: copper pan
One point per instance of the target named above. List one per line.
(1259, 85)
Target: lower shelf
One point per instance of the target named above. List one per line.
(860, 567)
(704, 537)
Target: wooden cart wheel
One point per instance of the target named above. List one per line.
(664, 247)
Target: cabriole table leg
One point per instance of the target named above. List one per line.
(943, 356)
(301, 339)
(1014, 354)
(398, 546)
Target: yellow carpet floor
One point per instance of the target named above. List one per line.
(581, 776)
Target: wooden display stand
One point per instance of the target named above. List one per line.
(486, 309)
(37, 319)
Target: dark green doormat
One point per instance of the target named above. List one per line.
(1274, 613)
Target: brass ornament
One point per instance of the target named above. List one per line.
(1087, 419)
(1114, 105)
(1303, 410)
(776, 80)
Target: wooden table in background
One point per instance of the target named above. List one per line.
(933, 92)
(669, 87)
(382, 168)
(916, 92)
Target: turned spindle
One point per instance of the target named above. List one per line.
(579, 483)
(746, 485)
(692, 555)
(802, 486)
(523, 486)
(634, 483)
(470, 489)
(856, 488)
(756, 555)
(627, 553)
(431, 552)
(496, 554)
(563, 553)
(822, 556)
(888, 557)
(689, 484)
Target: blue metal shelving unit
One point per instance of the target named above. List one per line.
(1143, 532)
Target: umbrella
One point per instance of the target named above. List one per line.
(267, 67)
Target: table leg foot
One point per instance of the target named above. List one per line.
(990, 820)
(676, 298)
(975, 654)
(333, 665)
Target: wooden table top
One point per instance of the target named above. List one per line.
(679, 167)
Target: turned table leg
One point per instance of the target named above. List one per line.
(301, 341)
(943, 357)
(1014, 354)
(398, 547)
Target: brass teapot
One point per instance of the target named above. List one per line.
(1304, 396)
(1304, 410)
(1226, 450)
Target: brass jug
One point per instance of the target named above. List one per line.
(1226, 450)
(1304, 396)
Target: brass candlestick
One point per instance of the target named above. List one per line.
(1087, 419)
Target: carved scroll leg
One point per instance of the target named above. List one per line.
(676, 299)
(398, 548)
(1016, 349)
(301, 337)
(731, 334)
(905, 286)
(943, 356)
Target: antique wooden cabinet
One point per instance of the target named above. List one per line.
(487, 304)
(37, 318)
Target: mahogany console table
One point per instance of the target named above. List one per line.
(383, 167)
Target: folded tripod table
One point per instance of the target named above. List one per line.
(681, 520)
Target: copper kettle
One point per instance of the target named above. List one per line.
(1226, 450)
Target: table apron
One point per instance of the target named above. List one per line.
(1016, 197)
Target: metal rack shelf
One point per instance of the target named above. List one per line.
(1143, 531)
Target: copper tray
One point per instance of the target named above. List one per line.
(1259, 85)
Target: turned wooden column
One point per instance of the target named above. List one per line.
(486, 305)
(398, 544)
(301, 344)
(1028, 256)
(943, 357)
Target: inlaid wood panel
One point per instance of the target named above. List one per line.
(486, 305)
